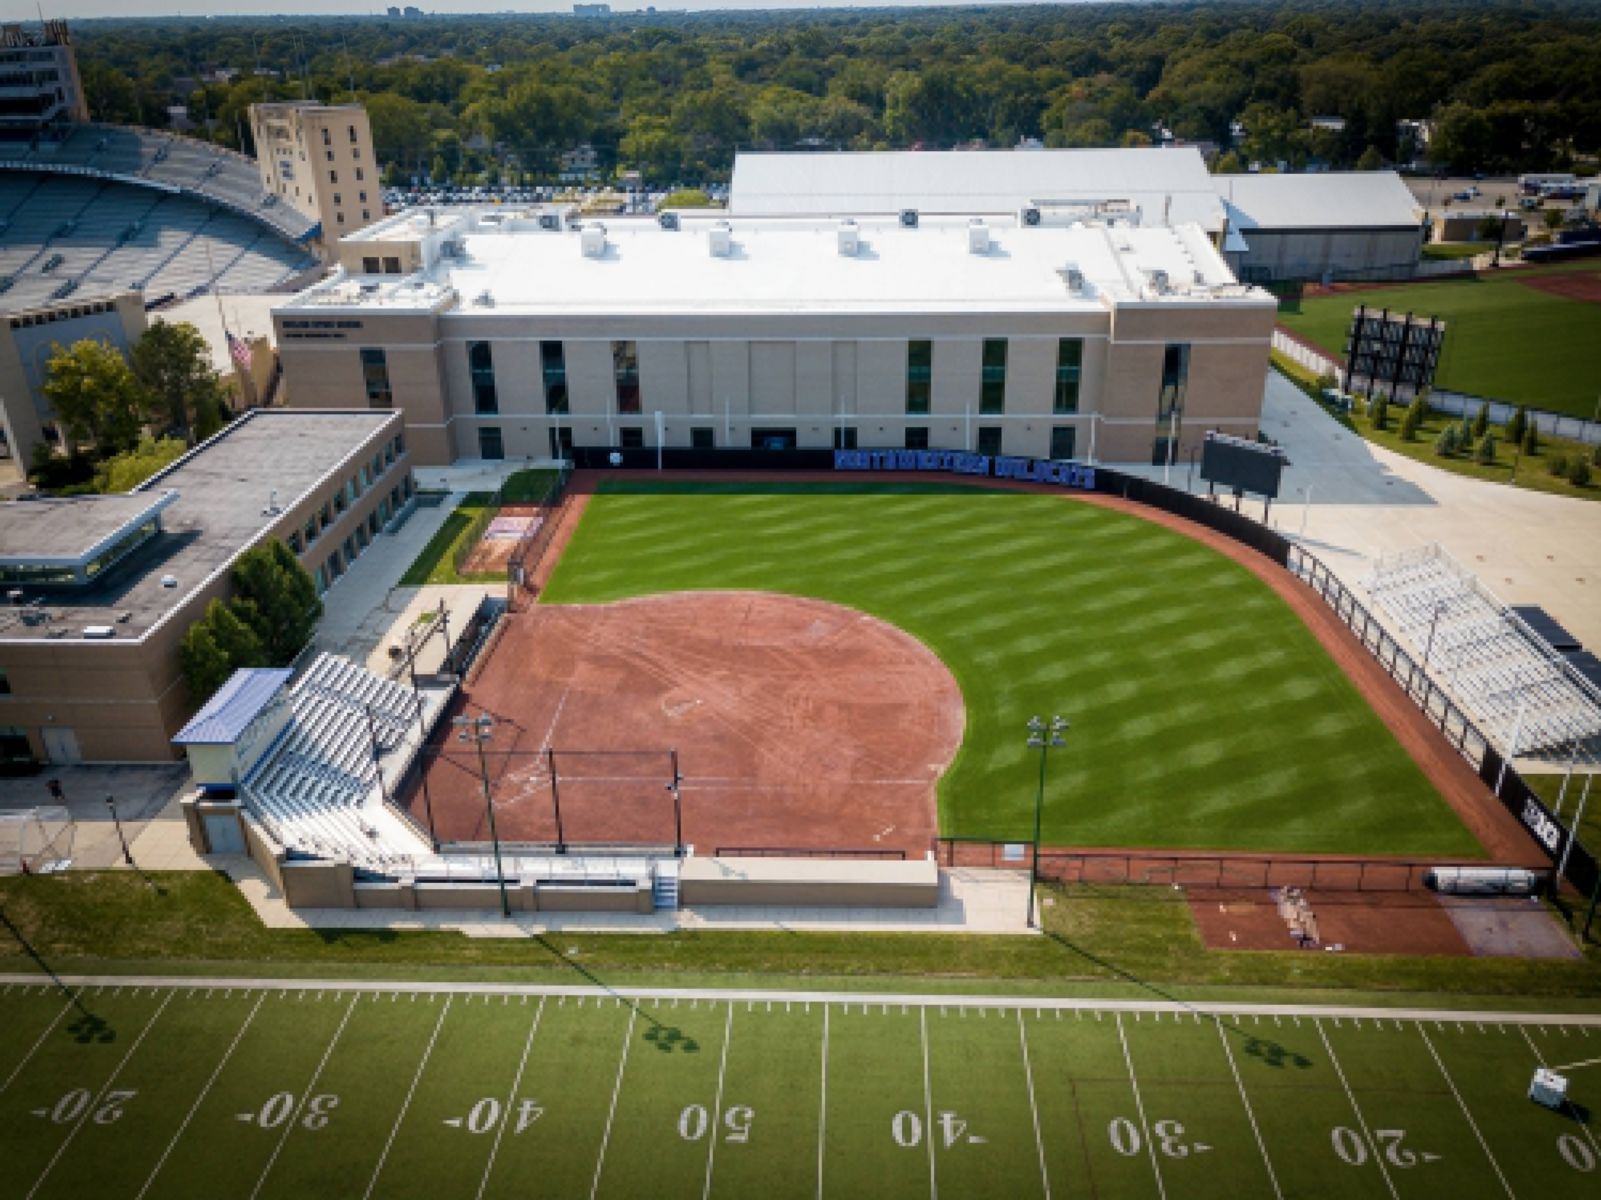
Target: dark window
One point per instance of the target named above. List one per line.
(772, 439)
(553, 365)
(489, 442)
(370, 266)
(917, 437)
(481, 366)
(352, 129)
(703, 437)
(326, 140)
(919, 375)
(989, 439)
(561, 443)
(5, 684)
(992, 386)
(391, 265)
(631, 437)
(845, 437)
(1062, 437)
(1170, 402)
(625, 373)
(375, 375)
(1069, 360)
(333, 177)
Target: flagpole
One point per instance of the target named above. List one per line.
(247, 388)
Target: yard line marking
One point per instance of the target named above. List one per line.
(1355, 1108)
(410, 1092)
(1472, 1124)
(1033, 1108)
(617, 1088)
(311, 1083)
(822, 1105)
(54, 1021)
(928, 1108)
(1249, 1112)
(1139, 1106)
(717, 1104)
(99, 1096)
(204, 1092)
(1568, 1105)
(511, 1098)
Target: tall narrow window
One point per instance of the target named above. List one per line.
(1069, 361)
(917, 437)
(375, 377)
(1170, 402)
(989, 439)
(481, 367)
(489, 442)
(992, 386)
(553, 365)
(625, 372)
(919, 376)
(1062, 441)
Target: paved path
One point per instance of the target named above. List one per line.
(909, 999)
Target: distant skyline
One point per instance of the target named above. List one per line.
(26, 10)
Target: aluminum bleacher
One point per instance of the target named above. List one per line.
(1525, 696)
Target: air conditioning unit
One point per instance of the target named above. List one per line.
(99, 631)
(978, 236)
(550, 221)
(720, 240)
(1030, 217)
(850, 238)
(667, 220)
(1074, 277)
(1159, 279)
(909, 218)
(593, 240)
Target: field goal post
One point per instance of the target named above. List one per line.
(36, 841)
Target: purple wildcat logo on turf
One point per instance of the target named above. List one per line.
(998, 466)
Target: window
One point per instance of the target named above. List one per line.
(339, 217)
(989, 439)
(311, 530)
(294, 543)
(919, 372)
(631, 437)
(553, 365)
(356, 153)
(1062, 437)
(362, 196)
(845, 437)
(369, 266)
(333, 176)
(359, 178)
(391, 265)
(352, 129)
(625, 374)
(1170, 401)
(917, 437)
(1069, 359)
(992, 386)
(330, 155)
(326, 140)
(338, 199)
(375, 375)
(5, 684)
(481, 367)
(703, 437)
(489, 442)
(366, 215)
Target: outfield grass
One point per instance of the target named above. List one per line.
(215, 1091)
(1204, 714)
(1504, 340)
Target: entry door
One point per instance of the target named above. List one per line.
(223, 834)
(61, 745)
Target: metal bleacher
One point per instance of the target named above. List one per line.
(1523, 694)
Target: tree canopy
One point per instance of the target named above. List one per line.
(269, 620)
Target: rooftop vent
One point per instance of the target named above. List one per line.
(1030, 217)
(1158, 279)
(667, 220)
(850, 238)
(485, 299)
(592, 240)
(720, 240)
(99, 632)
(978, 236)
(550, 221)
(1073, 277)
(169, 581)
(909, 218)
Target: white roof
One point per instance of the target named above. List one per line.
(1169, 186)
(795, 266)
(1327, 200)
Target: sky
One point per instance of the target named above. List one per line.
(28, 10)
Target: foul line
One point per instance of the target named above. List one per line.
(822, 1108)
(1139, 1106)
(105, 1090)
(1373, 1147)
(617, 1088)
(1567, 1105)
(511, 1099)
(717, 1105)
(928, 1108)
(1472, 1124)
(1246, 1100)
(32, 1050)
(1033, 1109)
(416, 1078)
(289, 1125)
(204, 1092)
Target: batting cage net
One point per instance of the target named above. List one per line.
(36, 841)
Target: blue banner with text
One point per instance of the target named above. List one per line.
(959, 462)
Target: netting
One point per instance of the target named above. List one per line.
(36, 840)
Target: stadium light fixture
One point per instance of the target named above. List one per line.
(1044, 737)
(479, 730)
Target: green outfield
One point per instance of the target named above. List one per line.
(1204, 713)
(1505, 340)
(207, 1089)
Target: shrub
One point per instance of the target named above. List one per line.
(1484, 454)
(1410, 423)
(1531, 439)
(1595, 455)
(1481, 422)
(1516, 426)
(1445, 442)
(1379, 414)
(1557, 464)
(1579, 473)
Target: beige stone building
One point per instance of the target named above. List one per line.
(96, 592)
(318, 158)
(520, 334)
(39, 83)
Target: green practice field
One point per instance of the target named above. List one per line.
(305, 1089)
(1505, 340)
(1204, 714)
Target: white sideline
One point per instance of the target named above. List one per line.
(719, 995)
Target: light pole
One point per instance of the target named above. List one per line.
(1306, 505)
(127, 854)
(1428, 647)
(1044, 737)
(479, 730)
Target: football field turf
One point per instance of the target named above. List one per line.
(246, 1089)
(1204, 714)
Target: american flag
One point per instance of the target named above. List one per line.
(239, 351)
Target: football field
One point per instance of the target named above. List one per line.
(296, 1089)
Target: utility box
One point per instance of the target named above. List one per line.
(1549, 1089)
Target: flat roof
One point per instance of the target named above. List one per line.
(224, 488)
(72, 529)
(794, 266)
(1323, 200)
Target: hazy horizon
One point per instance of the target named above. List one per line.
(23, 10)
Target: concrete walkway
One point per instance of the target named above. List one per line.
(146, 803)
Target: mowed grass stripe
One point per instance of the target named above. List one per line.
(1204, 714)
(32, 1012)
(983, 1127)
(873, 1133)
(772, 1089)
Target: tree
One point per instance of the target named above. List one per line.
(124, 472)
(687, 198)
(277, 599)
(204, 665)
(651, 145)
(1411, 421)
(1531, 439)
(1379, 413)
(1371, 160)
(1227, 163)
(1516, 426)
(95, 396)
(1481, 422)
(1579, 473)
(1554, 218)
(173, 365)
(1484, 454)
(1445, 442)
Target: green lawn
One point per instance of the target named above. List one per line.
(1504, 340)
(437, 561)
(435, 1093)
(1531, 471)
(1204, 714)
(1446, 251)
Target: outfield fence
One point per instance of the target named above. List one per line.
(872, 852)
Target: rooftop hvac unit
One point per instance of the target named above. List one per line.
(1030, 216)
(667, 220)
(720, 240)
(1074, 277)
(592, 239)
(100, 632)
(485, 299)
(850, 238)
(169, 581)
(908, 218)
(978, 236)
(1158, 279)
(550, 221)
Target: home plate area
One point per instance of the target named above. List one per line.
(298, 1088)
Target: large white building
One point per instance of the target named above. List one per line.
(520, 333)
(1328, 226)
